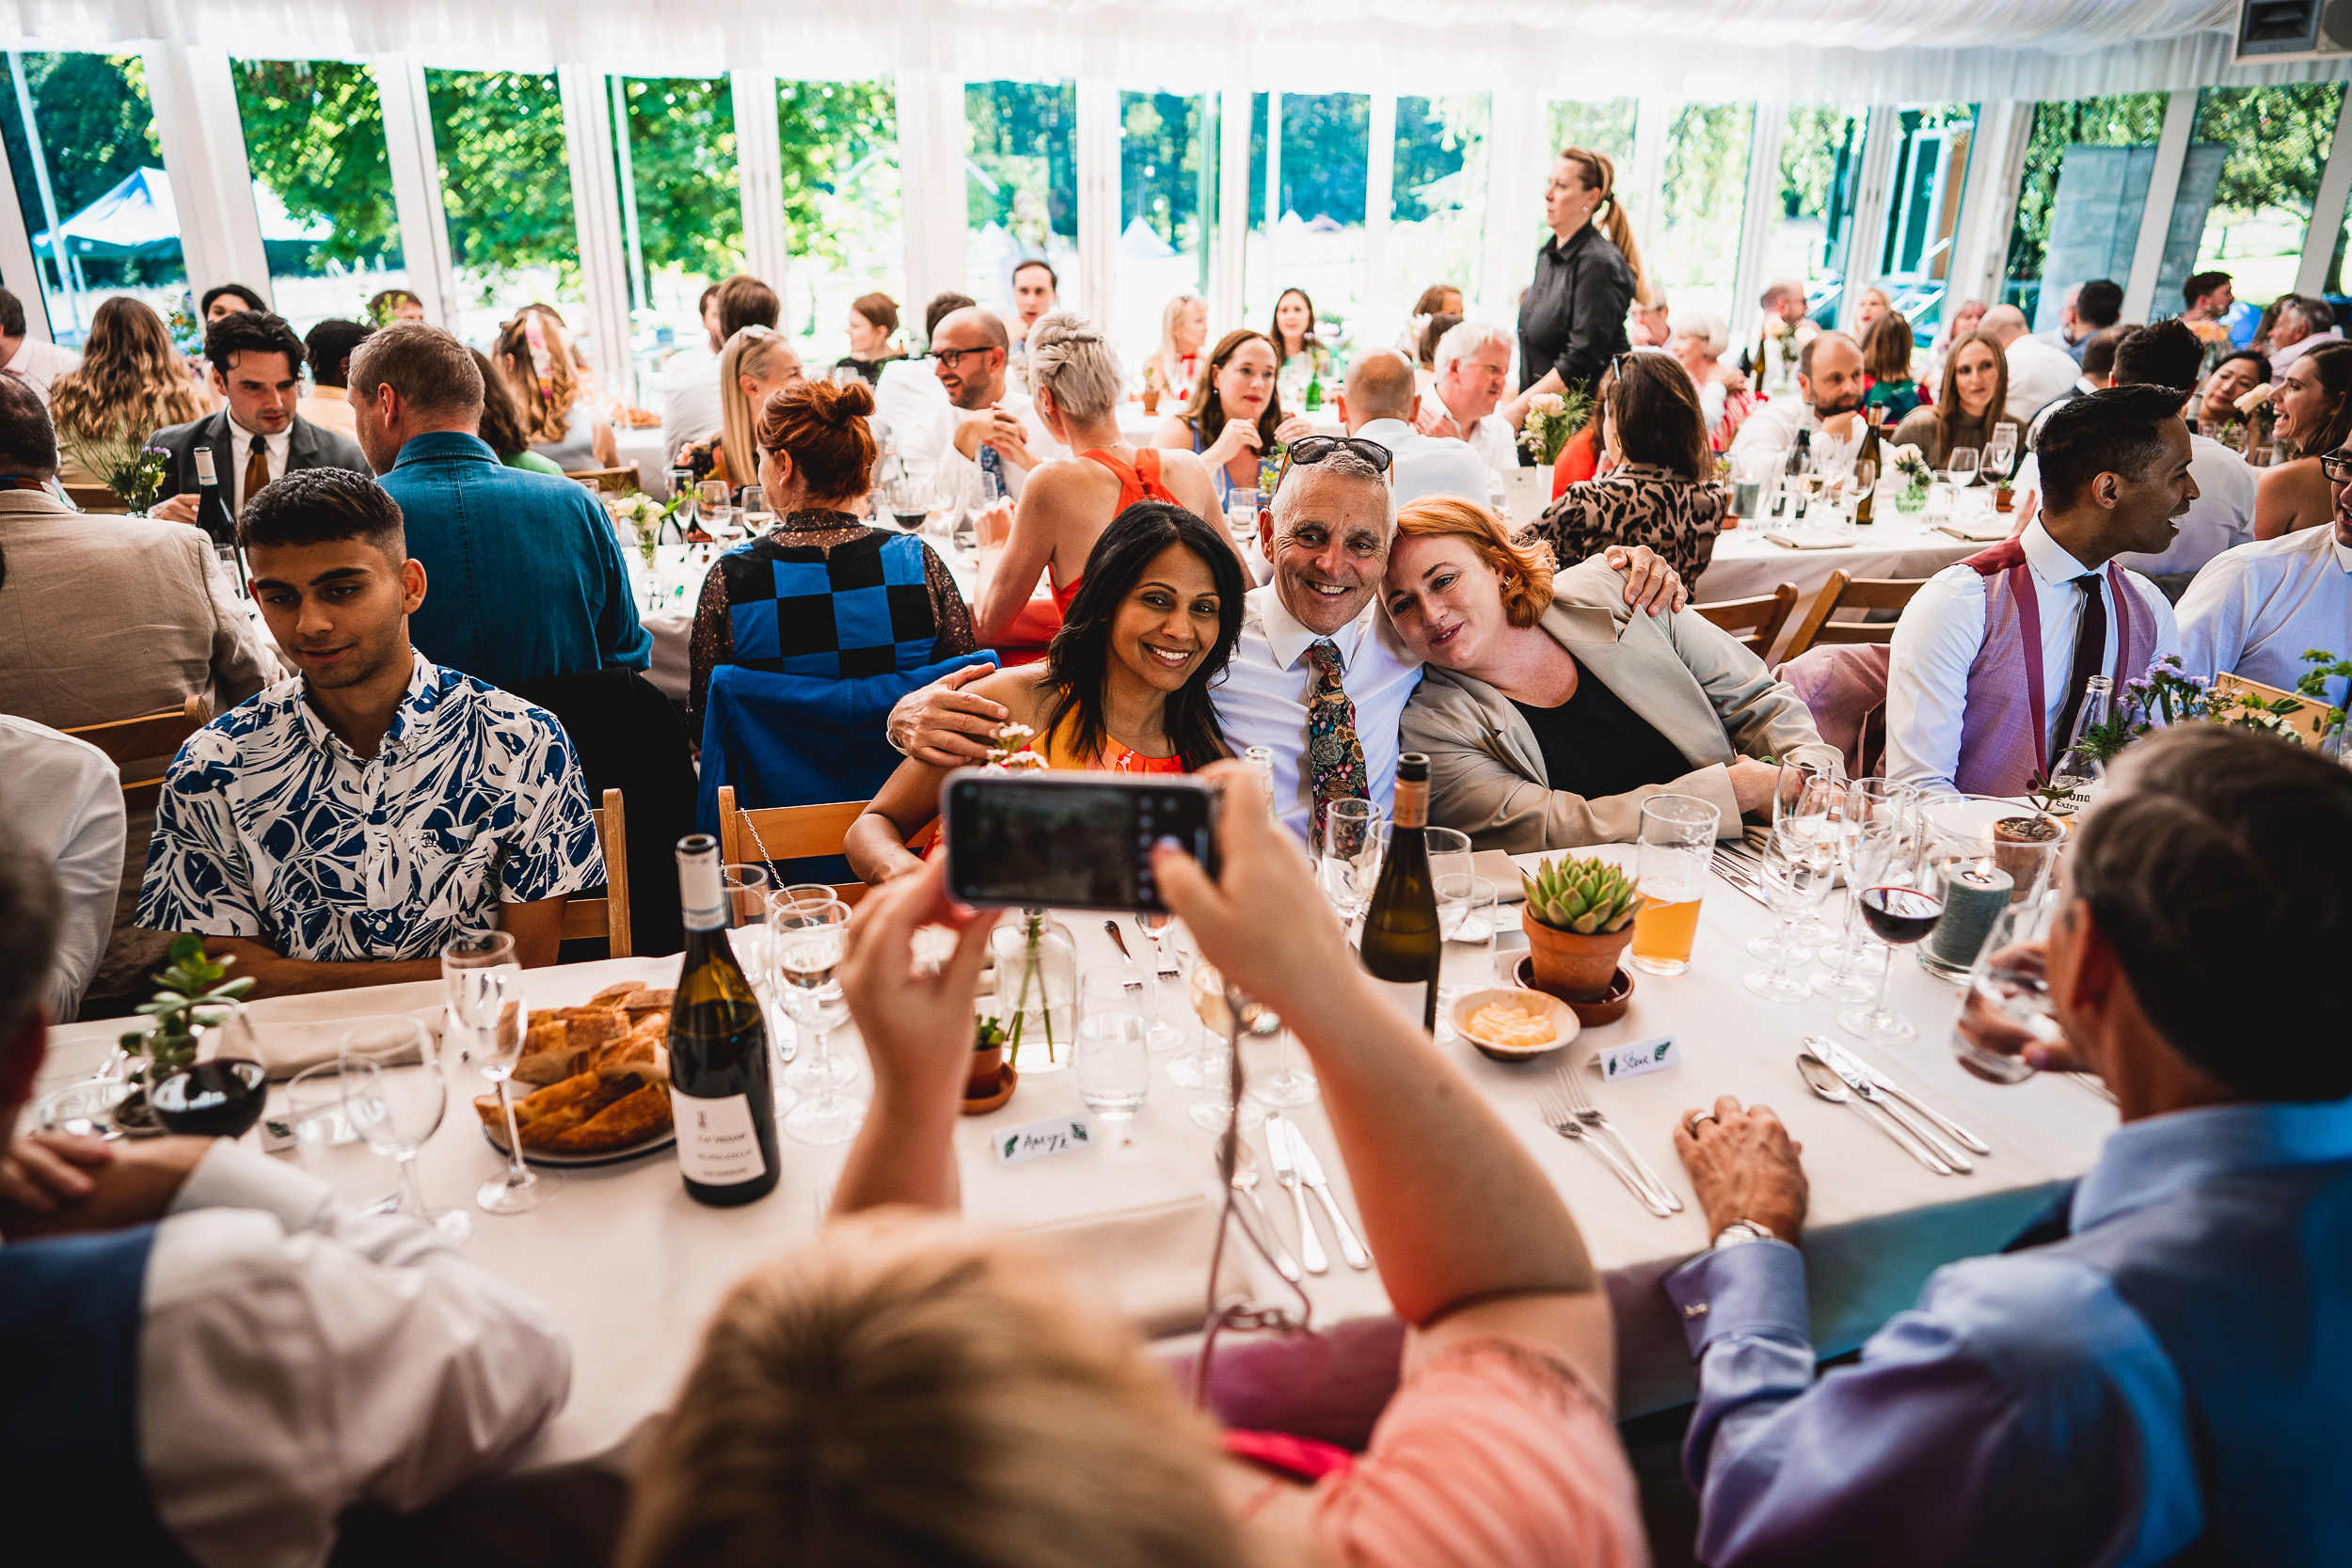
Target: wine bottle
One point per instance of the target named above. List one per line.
(721, 1097)
(1866, 452)
(1402, 944)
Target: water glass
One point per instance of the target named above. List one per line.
(718, 508)
(2006, 1005)
(1467, 910)
(330, 1145)
(1797, 873)
(1113, 1051)
(485, 983)
(1960, 466)
(808, 942)
(403, 1110)
(1348, 855)
(1676, 848)
(1241, 512)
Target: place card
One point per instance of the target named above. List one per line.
(1039, 1140)
(1631, 1061)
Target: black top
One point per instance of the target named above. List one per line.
(869, 370)
(1595, 746)
(1572, 317)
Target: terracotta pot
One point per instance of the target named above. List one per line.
(1151, 400)
(1572, 967)
(987, 1075)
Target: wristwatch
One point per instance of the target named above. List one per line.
(1740, 1231)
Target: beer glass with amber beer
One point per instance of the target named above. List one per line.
(1678, 842)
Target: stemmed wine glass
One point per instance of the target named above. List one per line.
(718, 508)
(2000, 453)
(807, 939)
(1805, 797)
(485, 983)
(1798, 870)
(1348, 855)
(404, 1108)
(1879, 818)
(1960, 466)
(1901, 905)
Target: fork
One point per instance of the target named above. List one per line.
(1552, 1106)
(1580, 1102)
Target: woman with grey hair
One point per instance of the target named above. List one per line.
(1066, 503)
(1698, 339)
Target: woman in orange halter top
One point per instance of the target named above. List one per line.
(1066, 504)
(1124, 688)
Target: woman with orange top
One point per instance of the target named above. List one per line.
(1076, 379)
(1125, 686)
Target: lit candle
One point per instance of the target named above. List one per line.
(1974, 898)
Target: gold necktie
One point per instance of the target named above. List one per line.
(256, 470)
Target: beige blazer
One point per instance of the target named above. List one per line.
(1684, 675)
(106, 617)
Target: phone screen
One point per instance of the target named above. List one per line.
(1069, 841)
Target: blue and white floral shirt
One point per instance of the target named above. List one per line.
(271, 828)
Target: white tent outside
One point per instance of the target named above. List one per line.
(137, 217)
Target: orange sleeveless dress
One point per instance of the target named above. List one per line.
(1138, 483)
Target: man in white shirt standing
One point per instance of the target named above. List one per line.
(34, 360)
(1828, 405)
(1991, 658)
(212, 1356)
(2256, 609)
(1472, 366)
(2036, 371)
(987, 427)
(1380, 403)
(689, 384)
(2302, 324)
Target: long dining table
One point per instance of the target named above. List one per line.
(631, 1268)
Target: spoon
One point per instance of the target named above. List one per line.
(1825, 1082)
(1246, 1182)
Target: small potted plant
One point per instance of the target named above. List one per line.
(987, 1059)
(190, 1000)
(1152, 386)
(1578, 917)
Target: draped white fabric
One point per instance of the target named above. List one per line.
(1870, 50)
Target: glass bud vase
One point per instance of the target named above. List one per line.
(1037, 991)
(1912, 499)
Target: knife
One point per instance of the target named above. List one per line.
(1857, 1079)
(1974, 1144)
(1285, 1171)
(1311, 1169)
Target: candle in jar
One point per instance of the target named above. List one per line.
(1974, 897)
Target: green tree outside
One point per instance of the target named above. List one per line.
(2119, 119)
(315, 134)
(97, 130)
(506, 186)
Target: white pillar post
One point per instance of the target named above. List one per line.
(2164, 187)
(1229, 298)
(1380, 306)
(1757, 219)
(2335, 189)
(19, 267)
(759, 180)
(1643, 186)
(596, 217)
(415, 169)
(1098, 199)
(211, 184)
(1514, 211)
(1988, 202)
(931, 139)
(1869, 231)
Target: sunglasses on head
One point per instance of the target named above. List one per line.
(1314, 449)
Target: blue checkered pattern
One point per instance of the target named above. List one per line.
(859, 609)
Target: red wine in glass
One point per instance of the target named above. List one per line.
(219, 1099)
(1899, 916)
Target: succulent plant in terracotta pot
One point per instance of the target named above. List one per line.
(1579, 918)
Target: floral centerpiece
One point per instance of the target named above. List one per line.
(1912, 464)
(2169, 694)
(131, 468)
(1551, 419)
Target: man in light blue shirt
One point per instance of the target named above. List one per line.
(2163, 1364)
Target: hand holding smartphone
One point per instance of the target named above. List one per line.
(1074, 841)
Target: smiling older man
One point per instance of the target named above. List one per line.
(1319, 677)
(1473, 364)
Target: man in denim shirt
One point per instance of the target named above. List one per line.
(528, 578)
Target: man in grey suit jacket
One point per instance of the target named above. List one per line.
(218, 461)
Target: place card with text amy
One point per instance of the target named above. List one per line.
(1039, 1140)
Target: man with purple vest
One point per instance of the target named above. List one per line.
(1992, 657)
(2159, 1368)
(209, 1357)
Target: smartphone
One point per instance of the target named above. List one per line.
(1072, 841)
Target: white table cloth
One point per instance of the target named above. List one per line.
(631, 1267)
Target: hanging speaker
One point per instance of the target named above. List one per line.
(2270, 32)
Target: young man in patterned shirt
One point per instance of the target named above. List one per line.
(344, 826)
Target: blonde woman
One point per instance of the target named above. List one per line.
(757, 362)
(1587, 274)
(534, 356)
(131, 382)
(1183, 331)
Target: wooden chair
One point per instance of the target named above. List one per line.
(787, 833)
(126, 741)
(608, 916)
(1845, 593)
(1754, 622)
(617, 482)
(96, 497)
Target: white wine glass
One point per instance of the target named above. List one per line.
(1348, 855)
(809, 943)
(484, 982)
(1797, 873)
(1877, 813)
(804, 1068)
(718, 508)
(400, 1113)
(1960, 466)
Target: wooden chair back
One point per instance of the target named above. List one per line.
(2312, 718)
(96, 497)
(1755, 621)
(617, 481)
(608, 916)
(787, 833)
(126, 741)
(1847, 593)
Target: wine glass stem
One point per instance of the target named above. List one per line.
(517, 1172)
(824, 1062)
(414, 1187)
(1885, 975)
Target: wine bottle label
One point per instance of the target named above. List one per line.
(204, 473)
(1413, 803)
(1410, 998)
(717, 1145)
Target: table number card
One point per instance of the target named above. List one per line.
(1629, 1061)
(1039, 1140)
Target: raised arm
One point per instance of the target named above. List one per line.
(1422, 1149)
(1009, 568)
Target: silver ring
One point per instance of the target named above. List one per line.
(1692, 1124)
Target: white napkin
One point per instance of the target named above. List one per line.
(1148, 1265)
(297, 1032)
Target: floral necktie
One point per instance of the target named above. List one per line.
(1335, 755)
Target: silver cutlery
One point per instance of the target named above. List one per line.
(1166, 967)
(1737, 873)
(1311, 1169)
(1581, 1102)
(1112, 926)
(1286, 1172)
(1955, 1131)
(1245, 1183)
(1858, 1079)
(1552, 1106)
(1823, 1081)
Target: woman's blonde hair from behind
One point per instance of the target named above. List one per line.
(908, 1390)
(1526, 568)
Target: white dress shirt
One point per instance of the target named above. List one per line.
(2221, 518)
(1262, 698)
(1773, 426)
(298, 1356)
(1491, 439)
(1943, 628)
(62, 798)
(1429, 465)
(956, 479)
(691, 409)
(39, 364)
(908, 395)
(2037, 374)
(241, 452)
(2282, 357)
(2255, 610)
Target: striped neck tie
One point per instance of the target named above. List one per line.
(1335, 755)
